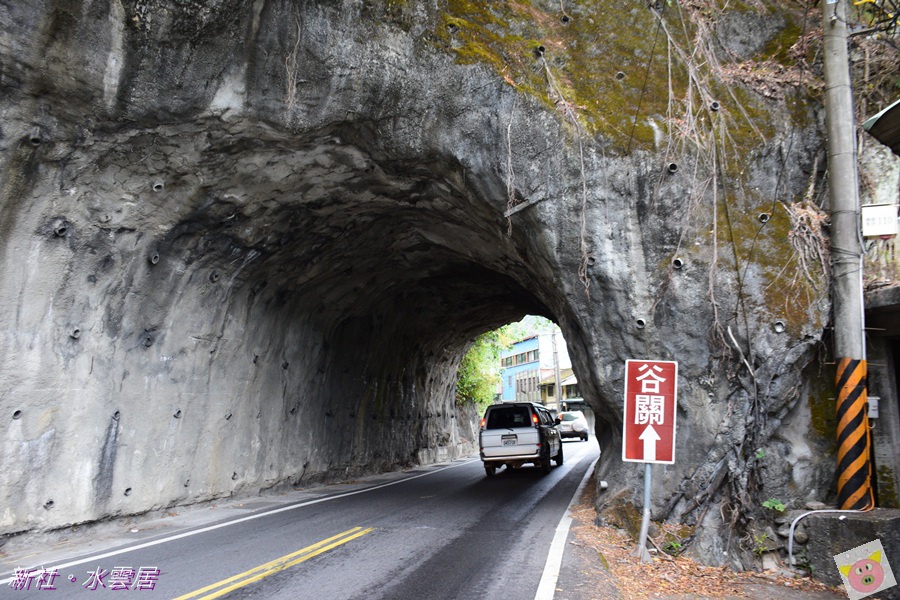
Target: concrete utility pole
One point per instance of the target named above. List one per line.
(556, 372)
(854, 442)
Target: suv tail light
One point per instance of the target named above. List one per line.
(483, 421)
(535, 419)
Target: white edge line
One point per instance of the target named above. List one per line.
(193, 532)
(547, 587)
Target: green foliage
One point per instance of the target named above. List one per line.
(760, 454)
(479, 371)
(774, 504)
(672, 548)
(760, 544)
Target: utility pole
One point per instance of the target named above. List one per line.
(556, 372)
(854, 468)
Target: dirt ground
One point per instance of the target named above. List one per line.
(601, 566)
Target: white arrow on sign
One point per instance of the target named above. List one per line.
(650, 437)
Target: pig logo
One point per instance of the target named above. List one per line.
(865, 570)
(865, 575)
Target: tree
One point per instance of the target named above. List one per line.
(479, 371)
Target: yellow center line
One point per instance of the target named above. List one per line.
(275, 566)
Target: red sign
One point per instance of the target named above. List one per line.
(651, 393)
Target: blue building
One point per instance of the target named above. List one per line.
(528, 363)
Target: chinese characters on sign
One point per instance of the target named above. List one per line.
(650, 398)
(118, 579)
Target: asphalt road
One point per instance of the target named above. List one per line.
(439, 532)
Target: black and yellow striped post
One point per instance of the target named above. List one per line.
(854, 439)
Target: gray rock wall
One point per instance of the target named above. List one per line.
(246, 245)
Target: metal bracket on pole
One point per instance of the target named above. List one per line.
(645, 520)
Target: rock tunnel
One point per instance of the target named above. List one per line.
(247, 244)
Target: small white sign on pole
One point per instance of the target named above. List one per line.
(879, 219)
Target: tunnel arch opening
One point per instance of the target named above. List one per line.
(323, 292)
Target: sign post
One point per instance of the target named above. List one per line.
(651, 394)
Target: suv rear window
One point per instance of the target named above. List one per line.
(568, 417)
(507, 417)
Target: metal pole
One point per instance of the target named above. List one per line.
(854, 452)
(559, 395)
(645, 520)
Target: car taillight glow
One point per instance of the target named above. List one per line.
(483, 420)
(534, 418)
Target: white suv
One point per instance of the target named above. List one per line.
(573, 424)
(514, 434)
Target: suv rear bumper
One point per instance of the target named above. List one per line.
(510, 458)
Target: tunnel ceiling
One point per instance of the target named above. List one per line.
(245, 245)
(318, 225)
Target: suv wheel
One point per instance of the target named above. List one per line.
(489, 470)
(545, 463)
(559, 455)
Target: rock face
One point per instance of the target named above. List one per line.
(247, 244)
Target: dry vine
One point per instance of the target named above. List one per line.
(290, 68)
(510, 175)
(808, 237)
(568, 110)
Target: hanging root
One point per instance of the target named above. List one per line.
(510, 175)
(290, 69)
(808, 238)
(568, 111)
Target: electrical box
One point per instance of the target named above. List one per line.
(873, 407)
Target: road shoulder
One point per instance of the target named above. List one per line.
(598, 563)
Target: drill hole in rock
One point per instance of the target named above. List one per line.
(60, 228)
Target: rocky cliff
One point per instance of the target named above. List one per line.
(245, 244)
